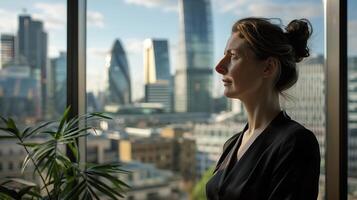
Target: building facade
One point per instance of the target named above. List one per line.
(156, 60)
(7, 47)
(210, 139)
(193, 78)
(157, 78)
(119, 76)
(159, 92)
(305, 101)
(20, 94)
(352, 118)
(32, 50)
(169, 152)
(57, 85)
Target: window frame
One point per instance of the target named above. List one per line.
(76, 66)
(336, 99)
(336, 86)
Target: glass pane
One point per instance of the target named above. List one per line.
(352, 100)
(32, 72)
(150, 67)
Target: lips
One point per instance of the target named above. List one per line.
(226, 81)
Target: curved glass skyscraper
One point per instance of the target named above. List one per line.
(119, 76)
(193, 79)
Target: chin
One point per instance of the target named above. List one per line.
(232, 95)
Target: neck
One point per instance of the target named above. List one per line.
(261, 110)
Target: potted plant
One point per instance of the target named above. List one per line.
(60, 177)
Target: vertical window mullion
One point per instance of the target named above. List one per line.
(336, 98)
(76, 64)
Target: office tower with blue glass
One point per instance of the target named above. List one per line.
(119, 76)
(193, 78)
(7, 47)
(58, 82)
(352, 117)
(157, 78)
(32, 50)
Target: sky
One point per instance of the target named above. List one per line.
(132, 21)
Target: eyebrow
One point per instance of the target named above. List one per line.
(230, 50)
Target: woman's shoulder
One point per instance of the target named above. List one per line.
(294, 129)
(293, 134)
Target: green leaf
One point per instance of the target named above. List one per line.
(25, 163)
(113, 179)
(7, 137)
(99, 114)
(25, 191)
(3, 119)
(11, 125)
(34, 194)
(9, 131)
(76, 191)
(30, 144)
(64, 118)
(102, 187)
(23, 181)
(93, 193)
(9, 192)
(34, 131)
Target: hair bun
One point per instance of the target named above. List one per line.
(298, 32)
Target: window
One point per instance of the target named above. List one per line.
(159, 56)
(32, 66)
(352, 100)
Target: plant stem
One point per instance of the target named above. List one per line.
(36, 167)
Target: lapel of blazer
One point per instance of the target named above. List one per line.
(232, 146)
(262, 138)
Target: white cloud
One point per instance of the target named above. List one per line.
(53, 15)
(166, 5)
(133, 46)
(228, 5)
(97, 52)
(286, 11)
(97, 73)
(8, 21)
(95, 18)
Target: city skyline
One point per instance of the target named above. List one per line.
(105, 20)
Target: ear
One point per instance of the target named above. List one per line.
(271, 67)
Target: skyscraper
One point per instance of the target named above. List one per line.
(57, 87)
(7, 49)
(19, 93)
(156, 60)
(119, 76)
(307, 99)
(352, 116)
(32, 43)
(158, 87)
(193, 79)
(32, 50)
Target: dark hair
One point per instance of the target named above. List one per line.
(267, 39)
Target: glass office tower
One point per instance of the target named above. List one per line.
(193, 92)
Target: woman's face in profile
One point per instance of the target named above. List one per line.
(242, 72)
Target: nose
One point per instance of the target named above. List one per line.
(221, 67)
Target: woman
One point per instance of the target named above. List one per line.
(274, 157)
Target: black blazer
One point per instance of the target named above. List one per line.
(282, 163)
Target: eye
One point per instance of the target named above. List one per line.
(234, 56)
